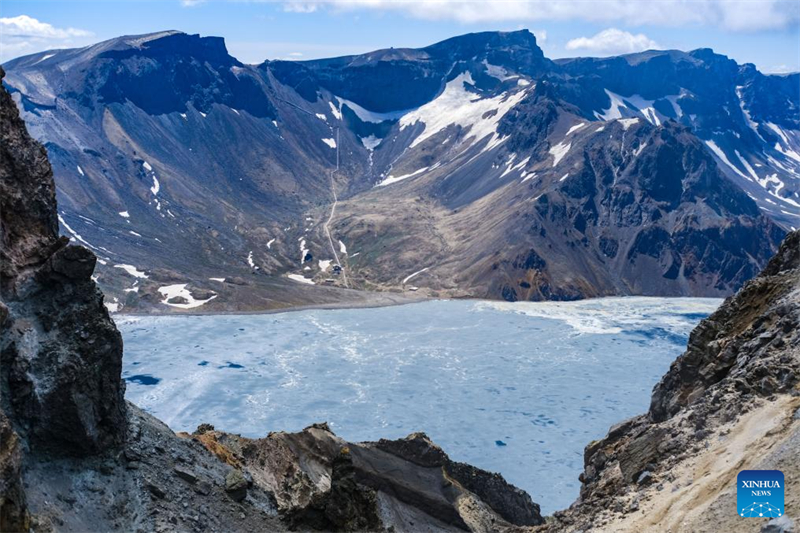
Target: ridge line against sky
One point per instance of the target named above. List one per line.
(764, 32)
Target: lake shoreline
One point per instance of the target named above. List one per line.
(376, 304)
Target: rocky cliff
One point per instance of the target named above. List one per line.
(75, 457)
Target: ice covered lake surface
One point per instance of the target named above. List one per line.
(515, 388)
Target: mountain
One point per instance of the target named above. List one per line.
(748, 121)
(74, 456)
(475, 167)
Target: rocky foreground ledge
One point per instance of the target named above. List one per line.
(74, 456)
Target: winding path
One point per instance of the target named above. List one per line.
(327, 223)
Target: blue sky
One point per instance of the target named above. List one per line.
(764, 32)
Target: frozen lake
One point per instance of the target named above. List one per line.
(517, 388)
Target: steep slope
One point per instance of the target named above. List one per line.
(749, 121)
(562, 208)
(75, 457)
(475, 160)
(174, 167)
(729, 403)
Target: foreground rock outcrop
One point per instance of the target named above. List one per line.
(75, 457)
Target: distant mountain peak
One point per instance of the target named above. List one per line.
(173, 42)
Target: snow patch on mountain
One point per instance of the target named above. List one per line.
(751, 124)
(300, 279)
(456, 106)
(132, 271)
(613, 111)
(371, 116)
(778, 131)
(722, 157)
(371, 142)
(415, 274)
(394, 179)
(179, 290)
(633, 105)
(335, 111)
(497, 72)
(747, 166)
(576, 127)
(518, 166)
(303, 251)
(559, 151)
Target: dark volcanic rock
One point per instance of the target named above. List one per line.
(236, 485)
(507, 500)
(323, 482)
(13, 503)
(61, 354)
(28, 222)
(347, 506)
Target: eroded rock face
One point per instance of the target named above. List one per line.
(507, 500)
(323, 482)
(61, 354)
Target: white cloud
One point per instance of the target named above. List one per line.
(302, 7)
(23, 34)
(29, 27)
(192, 3)
(613, 42)
(781, 69)
(738, 15)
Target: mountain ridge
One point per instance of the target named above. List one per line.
(442, 140)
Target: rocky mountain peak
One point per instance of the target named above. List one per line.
(163, 44)
(515, 49)
(28, 226)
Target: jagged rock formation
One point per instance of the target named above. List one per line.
(322, 482)
(477, 162)
(728, 403)
(75, 457)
